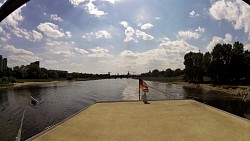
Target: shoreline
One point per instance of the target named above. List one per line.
(37, 83)
(16, 85)
(239, 91)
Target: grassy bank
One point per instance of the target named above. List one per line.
(164, 79)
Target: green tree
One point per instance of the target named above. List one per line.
(18, 72)
(168, 73)
(177, 72)
(189, 67)
(247, 65)
(221, 57)
(193, 67)
(33, 71)
(207, 63)
(155, 73)
(237, 61)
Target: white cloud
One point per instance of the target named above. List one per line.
(4, 37)
(216, 40)
(32, 36)
(129, 54)
(76, 64)
(228, 38)
(37, 35)
(247, 47)
(200, 29)
(157, 18)
(76, 2)
(188, 35)
(124, 24)
(193, 14)
(59, 44)
(12, 50)
(55, 17)
(235, 11)
(129, 33)
(102, 34)
(169, 54)
(51, 30)
(99, 52)
(64, 53)
(93, 10)
(111, 1)
(146, 26)
(81, 51)
(90, 7)
(19, 56)
(177, 46)
(53, 43)
(68, 33)
(51, 62)
(144, 35)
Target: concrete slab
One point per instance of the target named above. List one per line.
(179, 120)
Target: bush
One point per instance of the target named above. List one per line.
(4, 80)
(12, 79)
(69, 78)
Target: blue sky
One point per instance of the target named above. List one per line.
(117, 36)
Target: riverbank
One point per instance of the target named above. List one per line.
(233, 90)
(37, 82)
(34, 83)
(240, 91)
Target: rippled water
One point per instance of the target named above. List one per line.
(59, 101)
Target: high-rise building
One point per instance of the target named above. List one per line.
(4, 63)
(36, 63)
(1, 62)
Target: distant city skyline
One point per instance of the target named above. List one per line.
(3, 63)
(117, 36)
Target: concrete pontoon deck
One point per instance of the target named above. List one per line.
(180, 120)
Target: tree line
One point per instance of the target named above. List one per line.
(226, 64)
(33, 71)
(165, 73)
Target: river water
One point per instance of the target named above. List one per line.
(61, 100)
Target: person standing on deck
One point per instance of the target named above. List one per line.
(144, 98)
(145, 90)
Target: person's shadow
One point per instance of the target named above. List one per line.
(146, 102)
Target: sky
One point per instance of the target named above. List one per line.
(117, 36)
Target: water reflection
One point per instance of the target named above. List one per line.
(226, 102)
(59, 101)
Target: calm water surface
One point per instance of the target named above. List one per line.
(59, 101)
